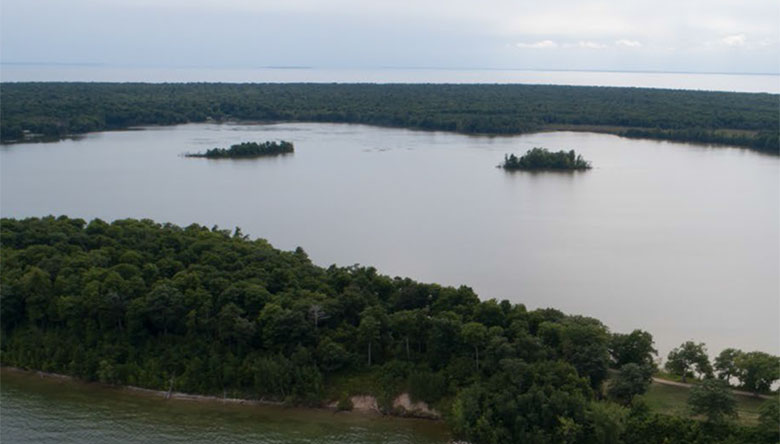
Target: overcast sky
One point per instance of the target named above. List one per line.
(658, 35)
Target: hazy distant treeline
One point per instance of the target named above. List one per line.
(58, 109)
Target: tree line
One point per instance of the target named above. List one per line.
(55, 110)
(754, 371)
(210, 311)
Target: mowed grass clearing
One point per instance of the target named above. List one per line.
(672, 400)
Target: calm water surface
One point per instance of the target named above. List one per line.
(674, 80)
(680, 240)
(39, 410)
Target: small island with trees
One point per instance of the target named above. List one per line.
(247, 150)
(542, 159)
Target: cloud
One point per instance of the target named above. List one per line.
(708, 35)
(734, 40)
(628, 43)
(585, 44)
(538, 45)
(590, 45)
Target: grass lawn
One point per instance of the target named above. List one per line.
(673, 401)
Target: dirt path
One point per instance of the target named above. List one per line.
(681, 384)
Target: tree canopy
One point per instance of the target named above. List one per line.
(689, 359)
(713, 399)
(543, 159)
(247, 150)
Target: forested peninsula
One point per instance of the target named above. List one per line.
(246, 150)
(54, 110)
(210, 311)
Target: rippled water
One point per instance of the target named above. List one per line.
(41, 410)
(677, 239)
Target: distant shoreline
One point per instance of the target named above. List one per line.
(62, 109)
(551, 128)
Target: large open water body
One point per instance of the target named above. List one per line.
(680, 240)
(107, 73)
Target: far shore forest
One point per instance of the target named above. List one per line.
(46, 111)
(210, 311)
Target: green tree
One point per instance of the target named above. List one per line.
(232, 326)
(631, 380)
(475, 334)
(443, 338)
(635, 347)
(407, 324)
(163, 307)
(585, 344)
(36, 292)
(757, 371)
(769, 419)
(687, 358)
(713, 399)
(11, 307)
(725, 364)
(331, 355)
(542, 402)
(606, 422)
(369, 332)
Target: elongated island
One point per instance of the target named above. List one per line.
(247, 150)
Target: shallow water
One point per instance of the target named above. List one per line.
(42, 410)
(677, 239)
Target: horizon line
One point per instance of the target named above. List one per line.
(382, 67)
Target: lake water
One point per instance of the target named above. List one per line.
(677, 239)
(42, 411)
(107, 73)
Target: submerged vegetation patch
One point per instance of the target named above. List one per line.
(543, 159)
(247, 150)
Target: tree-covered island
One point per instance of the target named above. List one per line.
(247, 150)
(542, 159)
(199, 310)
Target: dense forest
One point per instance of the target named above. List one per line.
(543, 159)
(54, 110)
(211, 311)
(247, 150)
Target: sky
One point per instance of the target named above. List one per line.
(739, 36)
